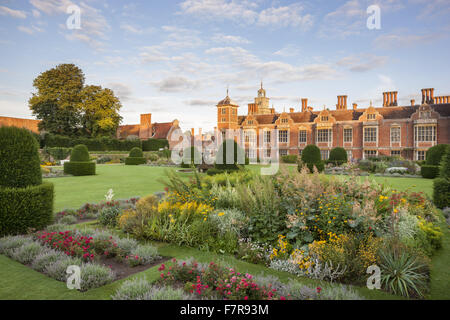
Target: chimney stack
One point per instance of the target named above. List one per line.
(355, 106)
(192, 132)
(413, 102)
(390, 98)
(342, 103)
(304, 104)
(291, 110)
(428, 96)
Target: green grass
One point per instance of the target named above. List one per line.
(126, 181)
(20, 282)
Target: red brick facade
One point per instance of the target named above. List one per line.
(406, 131)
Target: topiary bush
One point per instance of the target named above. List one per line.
(292, 158)
(238, 158)
(135, 158)
(79, 164)
(19, 158)
(58, 153)
(311, 157)
(25, 201)
(338, 156)
(429, 171)
(435, 154)
(441, 185)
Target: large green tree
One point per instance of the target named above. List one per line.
(57, 98)
(100, 108)
(66, 106)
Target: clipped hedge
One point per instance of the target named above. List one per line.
(79, 153)
(338, 156)
(136, 153)
(311, 157)
(238, 156)
(24, 208)
(93, 144)
(19, 158)
(292, 158)
(79, 168)
(155, 144)
(58, 153)
(134, 161)
(441, 193)
(214, 171)
(435, 154)
(429, 172)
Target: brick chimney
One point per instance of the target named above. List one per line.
(428, 96)
(355, 106)
(304, 104)
(291, 110)
(390, 99)
(413, 102)
(145, 127)
(342, 103)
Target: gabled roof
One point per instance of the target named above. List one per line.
(161, 130)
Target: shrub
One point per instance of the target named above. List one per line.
(57, 269)
(79, 153)
(93, 144)
(402, 272)
(441, 192)
(429, 171)
(94, 276)
(445, 166)
(143, 254)
(46, 258)
(9, 243)
(19, 158)
(238, 156)
(136, 153)
(152, 157)
(134, 289)
(435, 154)
(68, 219)
(155, 144)
(166, 293)
(311, 157)
(24, 208)
(79, 168)
(108, 216)
(27, 253)
(131, 161)
(338, 156)
(292, 158)
(127, 245)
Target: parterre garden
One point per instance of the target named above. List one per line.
(231, 235)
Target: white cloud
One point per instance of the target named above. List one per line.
(36, 13)
(30, 30)
(134, 29)
(229, 39)
(363, 62)
(348, 19)
(5, 11)
(121, 90)
(286, 16)
(288, 51)
(176, 84)
(401, 40)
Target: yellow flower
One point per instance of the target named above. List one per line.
(221, 214)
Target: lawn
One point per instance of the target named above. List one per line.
(20, 282)
(126, 181)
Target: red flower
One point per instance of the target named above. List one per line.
(319, 289)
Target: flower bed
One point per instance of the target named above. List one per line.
(102, 257)
(190, 280)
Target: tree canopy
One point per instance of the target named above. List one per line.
(66, 106)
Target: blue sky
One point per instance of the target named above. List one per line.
(175, 59)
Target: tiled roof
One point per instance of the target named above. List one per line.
(129, 130)
(442, 109)
(161, 130)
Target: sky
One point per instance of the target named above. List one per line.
(176, 59)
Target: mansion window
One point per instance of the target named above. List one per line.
(224, 111)
(324, 154)
(371, 116)
(250, 122)
(348, 135)
(324, 135)
(300, 152)
(250, 137)
(396, 153)
(420, 155)
(224, 119)
(283, 136)
(370, 134)
(324, 118)
(284, 120)
(302, 136)
(250, 153)
(234, 111)
(267, 136)
(267, 153)
(425, 133)
(283, 152)
(370, 154)
(395, 134)
(425, 114)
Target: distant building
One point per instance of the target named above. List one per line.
(391, 130)
(29, 124)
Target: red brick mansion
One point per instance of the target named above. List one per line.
(406, 131)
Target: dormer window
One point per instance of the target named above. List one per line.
(371, 116)
(324, 118)
(284, 120)
(425, 114)
(250, 122)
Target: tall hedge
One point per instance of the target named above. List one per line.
(136, 157)
(338, 156)
(238, 156)
(155, 144)
(25, 201)
(441, 185)
(93, 144)
(311, 157)
(19, 158)
(435, 154)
